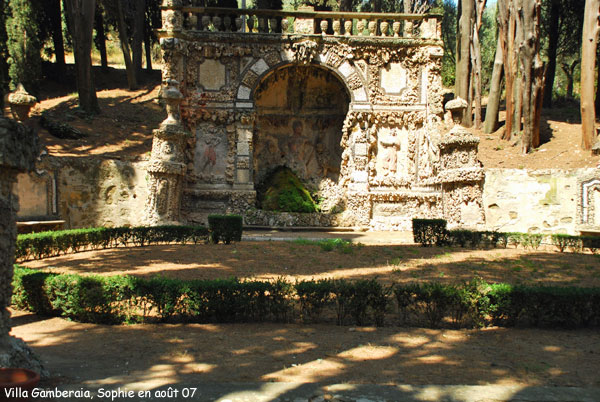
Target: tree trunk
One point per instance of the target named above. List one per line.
(510, 64)
(346, 5)
(81, 16)
(569, 70)
(376, 6)
(519, 78)
(139, 19)
(123, 38)
(491, 112)
(476, 60)
(54, 16)
(552, 48)
(148, 46)
(588, 63)
(463, 61)
(532, 70)
(100, 39)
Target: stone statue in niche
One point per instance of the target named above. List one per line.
(300, 153)
(391, 145)
(162, 196)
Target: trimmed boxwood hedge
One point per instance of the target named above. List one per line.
(118, 299)
(49, 244)
(227, 228)
(433, 231)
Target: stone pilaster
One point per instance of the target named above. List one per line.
(18, 149)
(167, 162)
(461, 176)
(243, 164)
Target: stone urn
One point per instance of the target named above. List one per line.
(21, 103)
(457, 108)
(16, 384)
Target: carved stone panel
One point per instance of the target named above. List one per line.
(212, 75)
(210, 154)
(393, 79)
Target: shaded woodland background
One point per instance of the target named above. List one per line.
(509, 56)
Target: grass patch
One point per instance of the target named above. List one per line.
(340, 245)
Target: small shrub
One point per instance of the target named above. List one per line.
(435, 300)
(560, 241)
(227, 228)
(405, 299)
(515, 238)
(533, 240)
(429, 231)
(575, 244)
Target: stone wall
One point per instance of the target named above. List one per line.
(86, 191)
(539, 201)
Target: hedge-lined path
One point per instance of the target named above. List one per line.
(246, 357)
(292, 260)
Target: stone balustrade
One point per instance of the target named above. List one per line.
(303, 22)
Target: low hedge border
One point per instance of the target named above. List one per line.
(428, 232)
(120, 299)
(53, 243)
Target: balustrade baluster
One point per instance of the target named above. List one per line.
(384, 27)
(360, 27)
(337, 27)
(205, 22)
(408, 29)
(227, 23)
(262, 24)
(238, 23)
(216, 20)
(396, 28)
(324, 24)
(285, 24)
(250, 23)
(372, 28)
(348, 27)
(273, 24)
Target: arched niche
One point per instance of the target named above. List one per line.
(300, 112)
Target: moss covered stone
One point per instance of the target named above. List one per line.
(283, 191)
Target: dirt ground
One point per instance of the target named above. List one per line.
(560, 149)
(90, 354)
(292, 260)
(161, 354)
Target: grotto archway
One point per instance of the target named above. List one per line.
(300, 111)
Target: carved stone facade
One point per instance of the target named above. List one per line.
(356, 116)
(461, 176)
(588, 209)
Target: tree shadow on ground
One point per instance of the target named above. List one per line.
(297, 261)
(123, 129)
(153, 356)
(58, 84)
